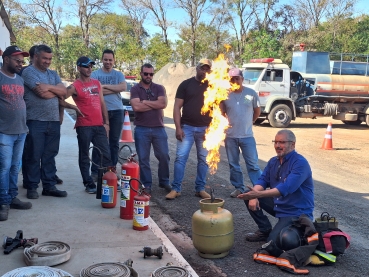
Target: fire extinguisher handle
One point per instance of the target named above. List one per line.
(140, 188)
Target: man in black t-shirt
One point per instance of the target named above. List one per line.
(190, 128)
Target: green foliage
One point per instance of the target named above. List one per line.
(261, 44)
(159, 54)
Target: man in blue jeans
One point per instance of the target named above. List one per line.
(43, 88)
(13, 129)
(291, 190)
(190, 128)
(113, 82)
(148, 102)
(241, 108)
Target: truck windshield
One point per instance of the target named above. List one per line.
(251, 75)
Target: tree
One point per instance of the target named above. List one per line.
(158, 10)
(194, 10)
(159, 54)
(85, 11)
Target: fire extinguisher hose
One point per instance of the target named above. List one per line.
(101, 269)
(39, 271)
(47, 253)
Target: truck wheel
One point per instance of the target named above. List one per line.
(357, 122)
(280, 116)
(259, 121)
(367, 119)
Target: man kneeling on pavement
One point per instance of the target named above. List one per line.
(290, 195)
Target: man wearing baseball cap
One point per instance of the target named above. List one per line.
(241, 108)
(92, 124)
(190, 128)
(13, 129)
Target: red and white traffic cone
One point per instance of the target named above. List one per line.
(328, 143)
(127, 131)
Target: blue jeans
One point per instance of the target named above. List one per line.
(116, 119)
(42, 146)
(267, 204)
(144, 137)
(197, 135)
(96, 135)
(250, 155)
(11, 149)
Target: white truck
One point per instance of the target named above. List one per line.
(316, 86)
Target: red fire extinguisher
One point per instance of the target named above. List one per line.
(141, 208)
(130, 170)
(109, 189)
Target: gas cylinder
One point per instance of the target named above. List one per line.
(141, 208)
(109, 190)
(130, 169)
(212, 229)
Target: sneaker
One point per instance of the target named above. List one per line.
(235, 193)
(172, 195)
(4, 211)
(90, 188)
(54, 192)
(168, 188)
(257, 236)
(58, 180)
(20, 205)
(203, 194)
(32, 194)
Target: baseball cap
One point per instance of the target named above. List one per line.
(234, 72)
(14, 50)
(84, 61)
(204, 62)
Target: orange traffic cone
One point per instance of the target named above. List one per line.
(127, 132)
(327, 143)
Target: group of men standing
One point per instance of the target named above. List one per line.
(33, 103)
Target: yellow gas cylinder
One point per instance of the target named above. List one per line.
(212, 229)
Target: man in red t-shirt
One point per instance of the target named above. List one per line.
(93, 124)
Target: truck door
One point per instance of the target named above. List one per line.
(274, 83)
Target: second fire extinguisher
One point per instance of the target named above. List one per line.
(141, 208)
(130, 170)
(109, 189)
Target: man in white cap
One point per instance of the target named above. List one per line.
(190, 128)
(241, 108)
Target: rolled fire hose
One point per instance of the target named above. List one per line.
(39, 271)
(173, 271)
(47, 253)
(106, 269)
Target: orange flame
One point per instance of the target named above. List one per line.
(218, 90)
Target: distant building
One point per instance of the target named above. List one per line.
(6, 32)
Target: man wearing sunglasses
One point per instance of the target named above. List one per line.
(241, 108)
(43, 89)
(191, 125)
(113, 82)
(291, 190)
(13, 129)
(92, 124)
(148, 102)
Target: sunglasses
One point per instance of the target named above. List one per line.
(18, 61)
(148, 93)
(146, 74)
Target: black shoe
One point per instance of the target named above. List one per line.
(168, 188)
(58, 180)
(4, 211)
(91, 188)
(54, 192)
(20, 205)
(24, 186)
(257, 236)
(32, 194)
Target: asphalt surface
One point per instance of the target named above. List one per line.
(239, 262)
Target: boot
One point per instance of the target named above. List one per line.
(20, 205)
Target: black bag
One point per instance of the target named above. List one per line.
(325, 222)
(333, 241)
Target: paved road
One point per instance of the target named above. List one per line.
(340, 188)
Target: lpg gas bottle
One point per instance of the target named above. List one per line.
(212, 229)
(109, 190)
